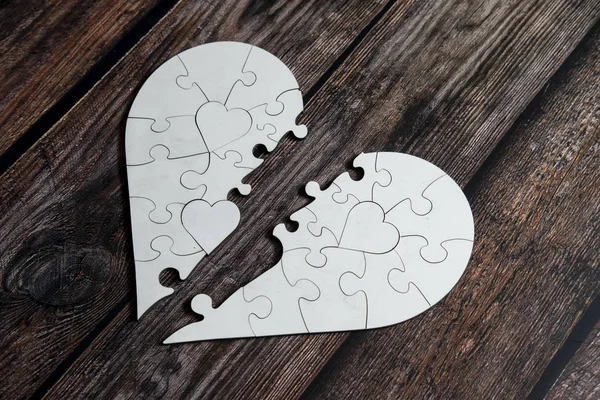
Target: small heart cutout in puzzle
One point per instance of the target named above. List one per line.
(366, 254)
(189, 141)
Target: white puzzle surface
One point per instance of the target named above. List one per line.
(367, 254)
(189, 139)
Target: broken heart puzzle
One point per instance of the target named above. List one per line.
(366, 254)
(190, 137)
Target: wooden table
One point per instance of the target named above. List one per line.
(503, 95)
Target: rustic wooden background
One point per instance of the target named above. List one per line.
(502, 94)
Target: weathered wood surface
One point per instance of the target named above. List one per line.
(47, 46)
(445, 80)
(581, 378)
(535, 265)
(65, 254)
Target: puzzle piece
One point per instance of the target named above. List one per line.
(332, 215)
(365, 230)
(333, 310)
(272, 79)
(411, 175)
(285, 317)
(148, 287)
(285, 121)
(145, 230)
(160, 98)
(385, 306)
(142, 229)
(244, 146)
(303, 238)
(268, 129)
(215, 68)
(362, 189)
(210, 224)
(182, 138)
(450, 218)
(220, 177)
(419, 272)
(143, 181)
(230, 320)
(220, 126)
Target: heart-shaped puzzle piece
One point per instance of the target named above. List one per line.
(210, 224)
(220, 126)
(390, 264)
(185, 143)
(365, 230)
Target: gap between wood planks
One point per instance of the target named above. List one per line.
(73, 95)
(79, 90)
(567, 351)
(591, 315)
(583, 328)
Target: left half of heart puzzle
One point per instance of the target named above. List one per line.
(190, 136)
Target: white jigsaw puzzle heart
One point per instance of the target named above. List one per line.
(190, 136)
(405, 237)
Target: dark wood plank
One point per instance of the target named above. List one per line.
(533, 272)
(65, 253)
(581, 378)
(48, 46)
(444, 79)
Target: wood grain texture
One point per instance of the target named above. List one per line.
(445, 80)
(581, 378)
(48, 46)
(535, 265)
(65, 258)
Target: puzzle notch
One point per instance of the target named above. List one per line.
(332, 215)
(450, 217)
(143, 178)
(215, 68)
(228, 321)
(148, 287)
(304, 238)
(272, 79)
(182, 138)
(362, 189)
(343, 313)
(160, 97)
(285, 316)
(267, 130)
(220, 177)
(385, 305)
(145, 230)
(419, 272)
